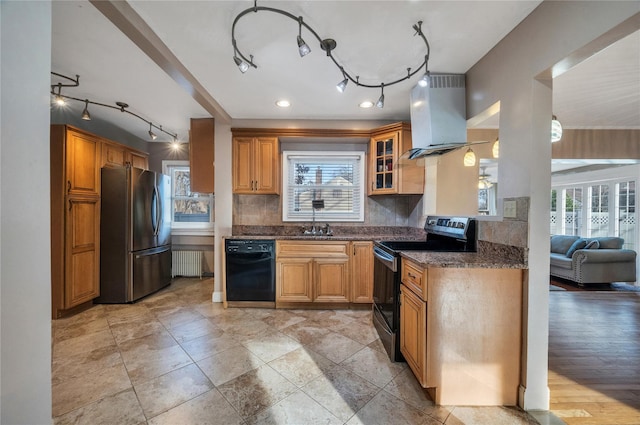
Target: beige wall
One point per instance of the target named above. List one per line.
(597, 144)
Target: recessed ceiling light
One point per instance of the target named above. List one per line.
(283, 103)
(366, 104)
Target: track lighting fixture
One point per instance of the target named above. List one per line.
(328, 45)
(342, 85)
(556, 129)
(469, 158)
(121, 106)
(380, 102)
(85, 113)
(151, 133)
(426, 78)
(303, 48)
(242, 65)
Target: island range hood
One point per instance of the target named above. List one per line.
(438, 116)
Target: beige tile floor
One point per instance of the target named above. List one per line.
(176, 358)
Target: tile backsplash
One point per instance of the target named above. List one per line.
(391, 210)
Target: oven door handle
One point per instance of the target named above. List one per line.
(385, 258)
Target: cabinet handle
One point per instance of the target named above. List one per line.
(411, 276)
(70, 204)
(68, 186)
(372, 188)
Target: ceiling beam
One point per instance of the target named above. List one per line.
(127, 20)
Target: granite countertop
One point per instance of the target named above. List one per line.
(462, 260)
(336, 237)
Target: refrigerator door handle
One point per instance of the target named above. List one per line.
(158, 210)
(154, 210)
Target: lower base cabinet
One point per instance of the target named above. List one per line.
(324, 272)
(413, 333)
(462, 335)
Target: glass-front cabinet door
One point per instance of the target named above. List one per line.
(384, 154)
(391, 172)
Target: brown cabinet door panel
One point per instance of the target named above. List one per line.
(82, 252)
(242, 161)
(413, 336)
(331, 280)
(83, 170)
(294, 275)
(362, 273)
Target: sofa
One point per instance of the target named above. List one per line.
(592, 260)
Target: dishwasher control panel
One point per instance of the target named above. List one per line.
(248, 245)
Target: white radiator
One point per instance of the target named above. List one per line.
(186, 263)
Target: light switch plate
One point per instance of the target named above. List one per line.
(509, 209)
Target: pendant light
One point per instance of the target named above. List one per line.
(495, 150)
(469, 158)
(556, 129)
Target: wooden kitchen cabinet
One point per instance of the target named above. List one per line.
(138, 159)
(331, 277)
(117, 155)
(256, 165)
(461, 332)
(75, 217)
(389, 172)
(413, 334)
(295, 277)
(362, 272)
(202, 155)
(312, 272)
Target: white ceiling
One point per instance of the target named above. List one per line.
(375, 41)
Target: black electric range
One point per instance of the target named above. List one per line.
(444, 234)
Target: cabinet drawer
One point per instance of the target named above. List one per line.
(415, 278)
(312, 249)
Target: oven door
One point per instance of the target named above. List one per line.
(386, 307)
(385, 290)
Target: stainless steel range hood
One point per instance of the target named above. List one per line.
(438, 116)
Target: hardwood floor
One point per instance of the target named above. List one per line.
(594, 357)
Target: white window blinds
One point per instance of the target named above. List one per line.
(330, 181)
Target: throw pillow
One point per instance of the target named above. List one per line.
(594, 244)
(579, 244)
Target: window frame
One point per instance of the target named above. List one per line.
(186, 228)
(359, 170)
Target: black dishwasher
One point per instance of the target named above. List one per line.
(250, 270)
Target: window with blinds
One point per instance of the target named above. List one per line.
(332, 182)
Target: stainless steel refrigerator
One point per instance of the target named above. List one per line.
(135, 234)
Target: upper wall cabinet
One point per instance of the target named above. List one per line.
(256, 165)
(117, 155)
(201, 154)
(388, 172)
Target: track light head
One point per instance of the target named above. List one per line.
(152, 134)
(425, 80)
(242, 65)
(342, 85)
(85, 113)
(380, 102)
(303, 48)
